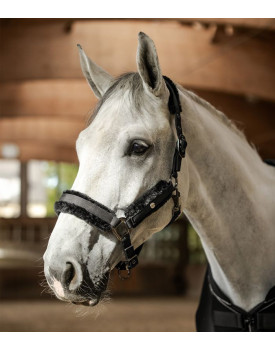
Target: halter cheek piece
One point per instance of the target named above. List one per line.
(105, 219)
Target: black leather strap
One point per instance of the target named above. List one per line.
(174, 104)
(175, 108)
(137, 212)
(130, 255)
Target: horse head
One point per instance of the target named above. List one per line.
(126, 149)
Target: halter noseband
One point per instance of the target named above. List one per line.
(105, 219)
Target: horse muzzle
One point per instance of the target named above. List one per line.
(71, 282)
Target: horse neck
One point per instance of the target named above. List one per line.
(229, 203)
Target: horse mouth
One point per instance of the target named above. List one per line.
(90, 294)
(90, 303)
(90, 299)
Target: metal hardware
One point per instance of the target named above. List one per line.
(121, 229)
(125, 277)
(152, 205)
(249, 323)
(181, 145)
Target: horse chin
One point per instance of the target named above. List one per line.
(90, 303)
(89, 293)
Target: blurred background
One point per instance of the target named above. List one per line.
(44, 104)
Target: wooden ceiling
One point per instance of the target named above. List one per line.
(45, 101)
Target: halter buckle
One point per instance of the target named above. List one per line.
(121, 229)
(181, 145)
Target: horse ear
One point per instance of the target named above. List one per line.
(98, 79)
(148, 65)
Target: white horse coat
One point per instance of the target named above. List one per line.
(227, 192)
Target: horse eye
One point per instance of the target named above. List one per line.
(138, 149)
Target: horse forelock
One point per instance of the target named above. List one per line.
(129, 82)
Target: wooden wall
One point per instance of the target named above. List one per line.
(45, 101)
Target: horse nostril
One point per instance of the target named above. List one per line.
(68, 274)
(71, 277)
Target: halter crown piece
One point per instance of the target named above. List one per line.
(105, 219)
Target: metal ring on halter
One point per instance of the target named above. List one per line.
(123, 278)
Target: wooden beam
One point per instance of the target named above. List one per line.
(33, 149)
(254, 117)
(254, 23)
(68, 98)
(42, 137)
(72, 100)
(54, 136)
(40, 151)
(47, 50)
(40, 129)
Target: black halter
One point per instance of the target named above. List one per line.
(105, 219)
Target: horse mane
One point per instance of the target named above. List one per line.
(130, 81)
(218, 114)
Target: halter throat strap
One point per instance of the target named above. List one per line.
(174, 106)
(105, 219)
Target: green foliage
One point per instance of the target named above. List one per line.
(64, 175)
(67, 174)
